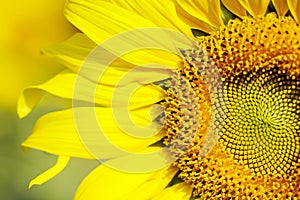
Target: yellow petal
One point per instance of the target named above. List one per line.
(294, 6)
(63, 85)
(133, 95)
(57, 133)
(162, 13)
(141, 75)
(145, 96)
(153, 186)
(72, 52)
(62, 162)
(281, 6)
(100, 20)
(235, 7)
(192, 21)
(151, 56)
(148, 115)
(257, 8)
(208, 11)
(180, 191)
(107, 183)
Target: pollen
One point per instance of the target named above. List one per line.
(256, 153)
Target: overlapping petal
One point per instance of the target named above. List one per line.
(63, 85)
(72, 52)
(257, 8)
(115, 184)
(161, 13)
(192, 21)
(208, 11)
(180, 191)
(100, 20)
(57, 133)
(294, 6)
(235, 7)
(281, 6)
(153, 186)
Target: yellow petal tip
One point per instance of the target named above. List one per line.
(24, 148)
(32, 184)
(62, 162)
(22, 109)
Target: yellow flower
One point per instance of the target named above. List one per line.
(230, 123)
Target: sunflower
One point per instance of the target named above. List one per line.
(225, 112)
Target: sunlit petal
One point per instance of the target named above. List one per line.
(57, 133)
(257, 8)
(180, 191)
(208, 11)
(235, 7)
(294, 6)
(281, 6)
(62, 162)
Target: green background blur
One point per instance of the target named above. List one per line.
(26, 27)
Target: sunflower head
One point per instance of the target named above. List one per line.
(231, 100)
(256, 139)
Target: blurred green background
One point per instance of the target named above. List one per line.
(26, 27)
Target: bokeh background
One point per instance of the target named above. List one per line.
(26, 27)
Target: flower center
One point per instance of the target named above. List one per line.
(257, 149)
